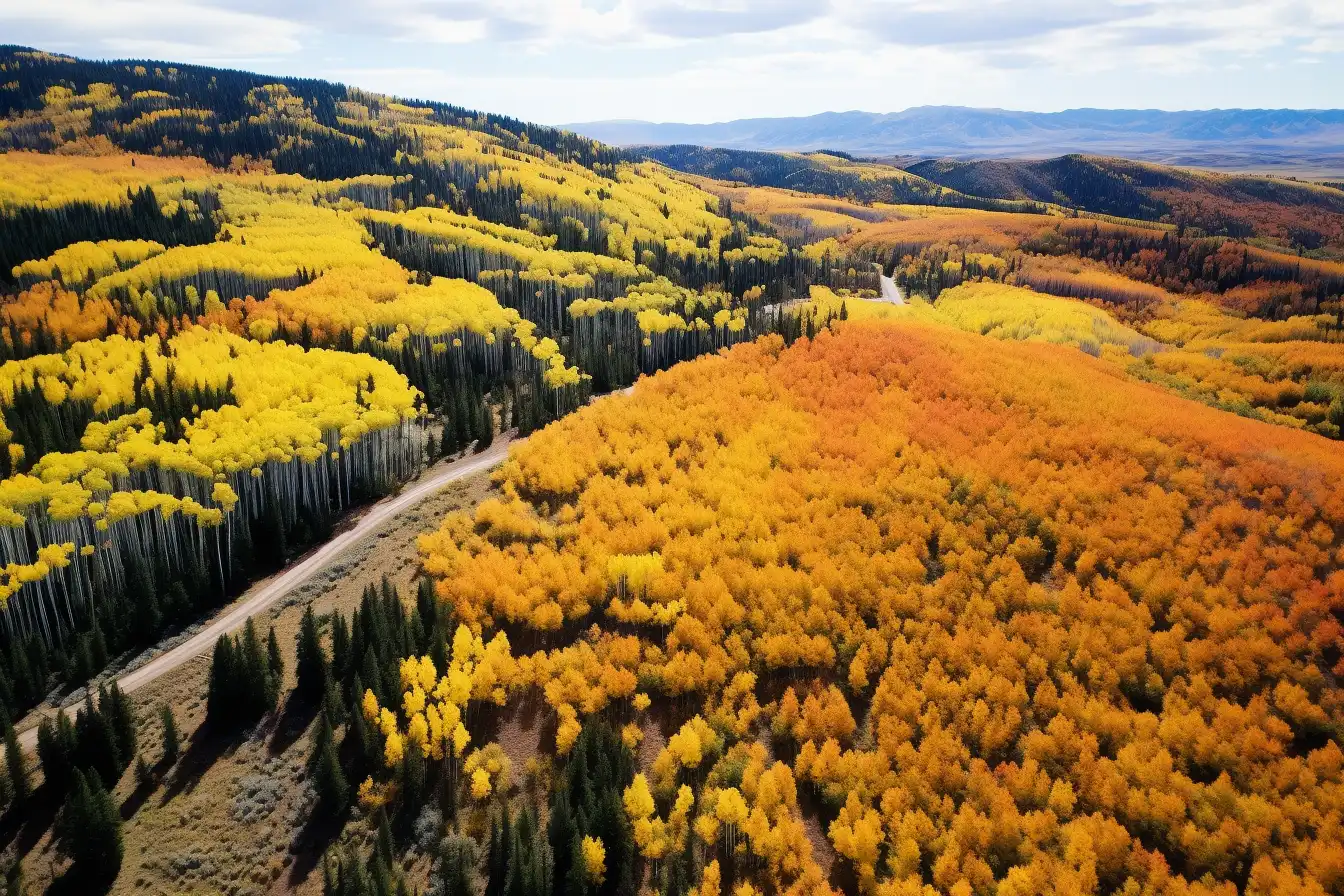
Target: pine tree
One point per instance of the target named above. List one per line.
(333, 793)
(340, 647)
(170, 739)
(89, 828)
(384, 848)
(332, 703)
(222, 695)
(16, 768)
(56, 749)
(98, 647)
(456, 867)
(275, 663)
(96, 748)
(496, 860)
(412, 778)
(587, 802)
(310, 663)
(120, 718)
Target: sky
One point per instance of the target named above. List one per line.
(564, 61)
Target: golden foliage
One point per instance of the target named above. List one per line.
(1086, 629)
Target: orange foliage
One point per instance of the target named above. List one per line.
(1081, 279)
(973, 230)
(62, 314)
(1085, 631)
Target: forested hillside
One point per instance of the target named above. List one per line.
(828, 173)
(977, 540)
(1229, 139)
(238, 306)
(1293, 216)
(1300, 216)
(856, 573)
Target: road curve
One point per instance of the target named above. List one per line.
(266, 592)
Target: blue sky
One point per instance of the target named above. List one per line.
(556, 61)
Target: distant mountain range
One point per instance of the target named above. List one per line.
(1292, 141)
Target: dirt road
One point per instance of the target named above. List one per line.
(266, 592)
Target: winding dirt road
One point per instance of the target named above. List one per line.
(266, 592)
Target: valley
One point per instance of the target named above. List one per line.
(399, 498)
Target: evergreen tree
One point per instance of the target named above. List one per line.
(146, 618)
(311, 662)
(412, 779)
(98, 647)
(587, 803)
(340, 647)
(562, 833)
(333, 792)
(170, 739)
(89, 828)
(384, 847)
(16, 768)
(120, 718)
(221, 694)
(56, 750)
(497, 859)
(347, 876)
(455, 871)
(96, 749)
(274, 661)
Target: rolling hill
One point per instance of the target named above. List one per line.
(1028, 580)
(1308, 142)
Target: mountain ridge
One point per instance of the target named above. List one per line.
(1289, 140)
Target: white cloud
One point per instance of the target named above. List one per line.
(177, 30)
(699, 60)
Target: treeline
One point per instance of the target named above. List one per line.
(1078, 181)
(1187, 263)
(810, 175)
(152, 598)
(545, 300)
(29, 231)
(41, 426)
(928, 270)
(327, 152)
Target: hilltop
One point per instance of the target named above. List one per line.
(1288, 141)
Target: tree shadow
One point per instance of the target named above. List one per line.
(204, 751)
(319, 832)
(291, 724)
(73, 883)
(22, 829)
(140, 795)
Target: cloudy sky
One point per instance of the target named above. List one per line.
(557, 61)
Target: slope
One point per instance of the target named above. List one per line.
(1302, 141)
